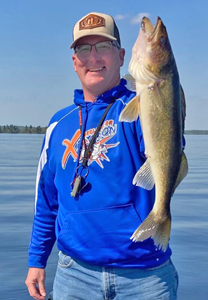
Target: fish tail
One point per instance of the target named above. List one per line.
(158, 228)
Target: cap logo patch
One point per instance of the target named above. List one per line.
(91, 21)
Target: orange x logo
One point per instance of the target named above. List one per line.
(70, 148)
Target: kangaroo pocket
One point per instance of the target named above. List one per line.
(101, 236)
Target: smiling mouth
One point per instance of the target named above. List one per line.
(96, 70)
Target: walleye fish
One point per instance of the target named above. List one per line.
(160, 104)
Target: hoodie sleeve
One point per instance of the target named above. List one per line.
(46, 207)
(140, 138)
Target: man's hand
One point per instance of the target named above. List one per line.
(35, 283)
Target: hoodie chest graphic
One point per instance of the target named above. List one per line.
(100, 148)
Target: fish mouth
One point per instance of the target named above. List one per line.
(153, 32)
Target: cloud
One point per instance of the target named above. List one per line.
(120, 17)
(137, 19)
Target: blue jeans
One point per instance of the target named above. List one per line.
(76, 280)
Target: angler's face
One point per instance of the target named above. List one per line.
(98, 72)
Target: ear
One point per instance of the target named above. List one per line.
(121, 56)
(74, 62)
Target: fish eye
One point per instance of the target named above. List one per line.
(143, 25)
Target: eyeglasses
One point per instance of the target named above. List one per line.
(104, 47)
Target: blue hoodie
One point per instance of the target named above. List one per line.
(96, 226)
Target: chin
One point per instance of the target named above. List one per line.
(96, 81)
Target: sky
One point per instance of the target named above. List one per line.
(36, 71)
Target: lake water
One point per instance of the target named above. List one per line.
(189, 239)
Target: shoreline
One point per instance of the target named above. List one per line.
(42, 130)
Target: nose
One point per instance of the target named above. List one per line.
(94, 55)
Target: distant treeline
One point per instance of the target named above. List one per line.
(31, 129)
(196, 132)
(22, 129)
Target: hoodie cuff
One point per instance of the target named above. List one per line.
(37, 262)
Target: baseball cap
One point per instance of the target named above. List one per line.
(96, 23)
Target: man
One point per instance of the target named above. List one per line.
(84, 193)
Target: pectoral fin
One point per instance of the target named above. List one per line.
(144, 177)
(131, 112)
(131, 83)
(182, 171)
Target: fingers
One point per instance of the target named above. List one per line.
(35, 292)
(35, 283)
(42, 290)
